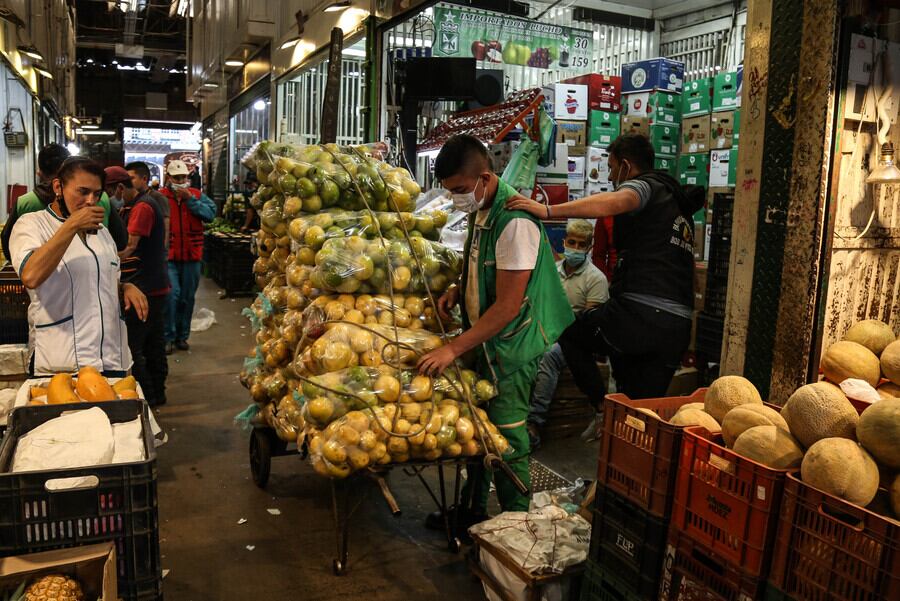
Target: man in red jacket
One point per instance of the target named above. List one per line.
(188, 210)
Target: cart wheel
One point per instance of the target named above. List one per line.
(338, 567)
(260, 456)
(455, 545)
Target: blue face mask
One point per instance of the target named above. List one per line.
(574, 258)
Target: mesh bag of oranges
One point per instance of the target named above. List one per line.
(381, 435)
(332, 395)
(344, 344)
(356, 265)
(411, 311)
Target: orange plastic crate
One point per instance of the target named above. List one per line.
(831, 550)
(639, 455)
(727, 503)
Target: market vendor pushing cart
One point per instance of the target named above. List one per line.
(68, 262)
(513, 306)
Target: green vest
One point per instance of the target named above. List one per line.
(29, 203)
(545, 311)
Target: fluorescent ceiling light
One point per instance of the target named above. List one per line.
(42, 72)
(32, 51)
(90, 61)
(290, 42)
(95, 132)
(73, 149)
(210, 84)
(246, 131)
(90, 126)
(338, 6)
(233, 62)
(354, 52)
(76, 120)
(259, 104)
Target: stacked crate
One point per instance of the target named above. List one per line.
(633, 503)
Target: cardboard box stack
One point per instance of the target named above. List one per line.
(653, 105)
(724, 133)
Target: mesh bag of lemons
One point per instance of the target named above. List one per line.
(399, 432)
(344, 345)
(328, 175)
(356, 265)
(330, 396)
(309, 232)
(406, 311)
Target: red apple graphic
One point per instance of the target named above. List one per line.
(479, 50)
(494, 52)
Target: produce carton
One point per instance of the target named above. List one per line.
(653, 74)
(93, 566)
(697, 97)
(597, 166)
(567, 101)
(693, 169)
(659, 107)
(721, 126)
(725, 92)
(667, 164)
(576, 173)
(574, 135)
(603, 128)
(635, 125)
(604, 91)
(665, 139)
(695, 134)
(720, 167)
(556, 172)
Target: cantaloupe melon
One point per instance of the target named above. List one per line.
(748, 416)
(686, 406)
(878, 431)
(818, 411)
(848, 359)
(695, 417)
(770, 445)
(895, 496)
(872, 334)
(889, 390)
(890, 362)
(729, 392)
(649, 412)
(843, 468)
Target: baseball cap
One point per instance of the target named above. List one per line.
(177, 167)
(116, 175)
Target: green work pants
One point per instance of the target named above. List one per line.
(509, 412)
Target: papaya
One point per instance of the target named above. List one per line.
(92, 386)
(38, 391)
(128, 394)
(126, 383)
(60, 390)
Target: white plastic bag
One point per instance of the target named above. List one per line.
(860, 390)
(7, 402)
(202, 320)
(77, 439)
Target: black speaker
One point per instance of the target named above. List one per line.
(488, 88)
(431, 78)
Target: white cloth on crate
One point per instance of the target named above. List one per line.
(77, 439)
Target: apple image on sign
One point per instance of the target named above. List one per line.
(494, 52)
(479, 50)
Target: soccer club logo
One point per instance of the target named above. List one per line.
(448, 33)
(638, 77)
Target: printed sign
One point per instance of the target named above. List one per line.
(496, 38)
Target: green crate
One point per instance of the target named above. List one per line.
(667, 164)
(693, 169)
(737, 127)
(603, 128)
(666, 139)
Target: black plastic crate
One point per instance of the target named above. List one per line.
(715, 297)
(14, 302)
(629, 542)
(121, 507)
(710, 330)
(599, 584)
(723, 213)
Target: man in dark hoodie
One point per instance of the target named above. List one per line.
(50, 158)
(646, 325)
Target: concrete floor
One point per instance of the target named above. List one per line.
(205, 489)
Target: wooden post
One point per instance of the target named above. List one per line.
(332, 87)
(783, 163)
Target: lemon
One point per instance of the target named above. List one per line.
(361, 341)
(358, 459)
(314, 237)
(334, 452)
(387, 388)
(420, 388)
(357, 420)
(367, 440)
(401, 277)
(320, 409)
(415, 306)
(348, 436)
(378, 452)
(355, 316)
(338, 356)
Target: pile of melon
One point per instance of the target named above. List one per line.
(818, 430)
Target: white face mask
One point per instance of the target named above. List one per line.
(183, 186)
(467, 203)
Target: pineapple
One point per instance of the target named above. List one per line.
(54, 587)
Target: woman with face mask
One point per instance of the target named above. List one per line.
(68, 262)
